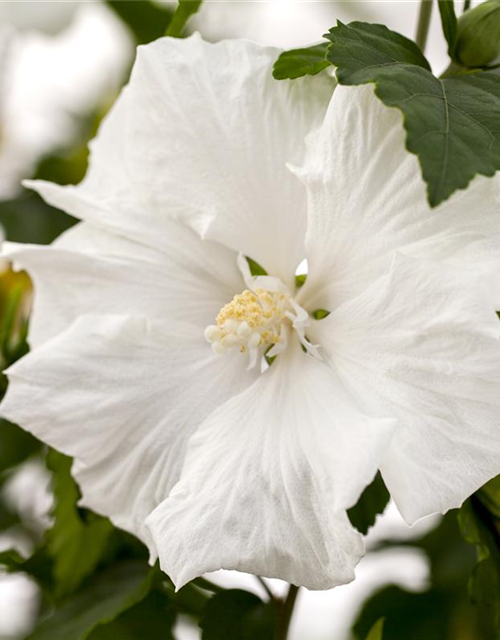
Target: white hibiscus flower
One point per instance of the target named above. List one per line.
(211, 460)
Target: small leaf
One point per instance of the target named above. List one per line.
(372, 502)
(151, 619)
(105, 597)
(301, 62)
(449, 24)
(300, 280)
(185, 9)
(376, 632)
(490, 496)
(319, 314)
(451, 124)
(238, 615)
(147, 20)
(478, 528)
(76, 546)
(255, 268)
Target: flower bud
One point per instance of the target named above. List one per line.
(478, 36)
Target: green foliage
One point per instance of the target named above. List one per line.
(300, 280)
(76, 546)
(481, 529)
(449, 24)
(105, 597)
(255, 268)
(451, 124)
(478, 35)
(490, 496)
(377, 631)
(15, 446)
(319, 314)
(147, 20)
(238, 615)
(151, 619)
(443, 609)
(185, 9)
(372, 501)
(301, 62)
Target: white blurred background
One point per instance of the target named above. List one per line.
(62, 60)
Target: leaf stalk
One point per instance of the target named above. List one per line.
(424, 21)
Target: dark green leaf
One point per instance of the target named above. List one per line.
(76, 546)
(479, 528)
(408, 616)
(105, 597)
(151, 619)
(147, 20)
(451, 124)
(185, 9)
(38, 566)
(490, 496)
(15, 445)
(238, 615)
(373, 501)
(449, 24)
(377, 631)
(301, 62)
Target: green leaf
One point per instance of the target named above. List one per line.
(408, 615)
(479, 529)
(373, 501)
(319, 314)
(15, 445)
(151, 619)
(147, 20)
(300, 280)
(105, 597)
(255, 268)
(490, 496)
(449, 24)
(376, 632)
(301, 62)
(185, 9)
(451, 124)
(38, 566)
(76, 546)
(238, 615)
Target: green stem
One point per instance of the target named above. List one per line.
(424, 21)
(267, 589)
(466, 5)
(287, 612)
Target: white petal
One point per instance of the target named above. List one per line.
(92, 271)
(366, 199)
(203, 133)
(422, 346)
(267, 479)
(122, 396)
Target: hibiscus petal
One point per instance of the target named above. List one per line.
(367, 199)
(92, 271)
(203, 133)
(422, 346)
(122, 395)
(267, 479)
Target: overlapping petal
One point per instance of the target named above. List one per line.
(122, 395)
(421, 345)
(203, 133)
(89, 270)
(366, 199)
(267, 479)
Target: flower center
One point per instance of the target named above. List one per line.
(259, 320)
(252, 319)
